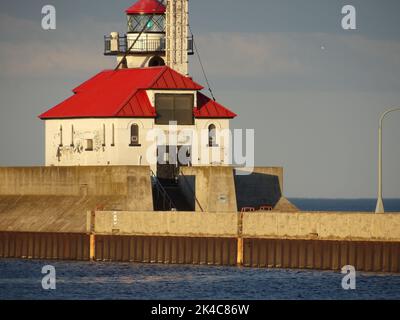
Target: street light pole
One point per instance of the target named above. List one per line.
(379, 205)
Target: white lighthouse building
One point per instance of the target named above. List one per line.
(113, 118)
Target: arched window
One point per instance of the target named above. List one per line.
(156, 61)
(113, 135)
(104, 135)
(212, 136)
(61, 136)
(134, 135)
(72, 136)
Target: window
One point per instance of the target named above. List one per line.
(156, 61)
(89, 145)
(153, 23)
(134, 136)
(61, 136)
(174, 107)
(72, 136)
(113, 135)
(212, 136)
(104, 135)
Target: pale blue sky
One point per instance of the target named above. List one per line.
(315, 111)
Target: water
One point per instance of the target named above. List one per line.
(21, 279)
(84, 280)
(354, 205)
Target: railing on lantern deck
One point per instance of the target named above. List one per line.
(145, 45)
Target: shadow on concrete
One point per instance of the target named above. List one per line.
(187, 186)
(257, 190)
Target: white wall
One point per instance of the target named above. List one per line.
(120, 153)
(138, 61)
(73, 150)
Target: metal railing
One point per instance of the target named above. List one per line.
(160, 194)
(145, 45)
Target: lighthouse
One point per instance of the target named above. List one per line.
(111, 119)
(157, 35)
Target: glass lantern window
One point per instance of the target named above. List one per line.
(153, 23)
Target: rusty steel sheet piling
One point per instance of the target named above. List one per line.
(50, 246)
(368, 256)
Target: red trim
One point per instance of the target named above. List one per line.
(146, 7)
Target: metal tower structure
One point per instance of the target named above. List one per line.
(177, 35)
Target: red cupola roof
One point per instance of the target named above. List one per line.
(146, 7)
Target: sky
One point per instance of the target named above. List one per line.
(312, 91)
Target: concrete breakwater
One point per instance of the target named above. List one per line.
(368, 242)
(107, 214)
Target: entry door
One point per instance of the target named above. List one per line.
(170, 159)
(167, 167)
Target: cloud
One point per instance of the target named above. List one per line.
(247, 54)
(16, 26)
(278, 57)
(297, 55)
(40, 59)
(27, 50)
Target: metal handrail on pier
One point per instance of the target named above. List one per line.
(161, 191)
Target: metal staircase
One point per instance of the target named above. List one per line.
(161, 199)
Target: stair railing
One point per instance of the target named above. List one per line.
(161, 191)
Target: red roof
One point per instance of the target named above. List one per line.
(208, 108)
(147, 7)
(122, 93)
(119, 93)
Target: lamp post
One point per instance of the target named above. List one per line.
(379, 205)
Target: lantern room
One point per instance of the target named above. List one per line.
(144, 44)
(148, 14)
(146, 26)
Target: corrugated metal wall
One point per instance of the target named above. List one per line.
(259, 253)
(173, 250)
(322, 255)
(54, 246)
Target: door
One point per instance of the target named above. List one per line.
(170, 159)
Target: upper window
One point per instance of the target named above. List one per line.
(156, 61)
(212, 136)
(61, 136)
(174, 108)
(134, 135)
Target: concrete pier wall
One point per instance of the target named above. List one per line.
(323, 226)
(214, 188)
(75, 181)
(106, 214)
(56, 199)
(192, 224)
(326, 241)
(226, 189)
(275, 225)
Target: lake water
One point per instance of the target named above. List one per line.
(360, 205)
(21, 279)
